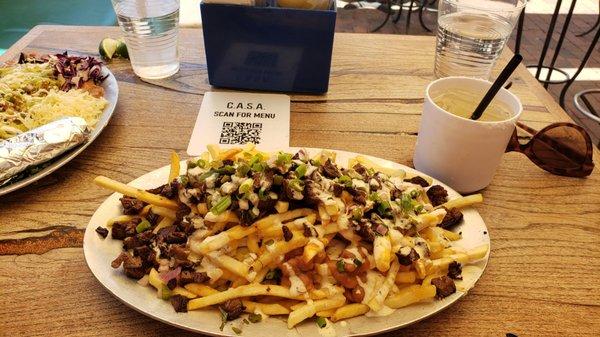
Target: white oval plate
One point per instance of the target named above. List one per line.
(100, 252)
(111, 94)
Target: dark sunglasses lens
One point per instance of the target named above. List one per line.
(562, 147)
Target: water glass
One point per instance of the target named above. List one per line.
(471, 34)
(150, 28)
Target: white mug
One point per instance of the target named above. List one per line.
(461, 152)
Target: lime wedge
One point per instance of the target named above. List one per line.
(122, 49)
(107, 48)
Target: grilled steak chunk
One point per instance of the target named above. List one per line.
(437, 195)
(131, 206)
(444, 286)
(453, 217)
(103, 232)
(234, 308)
(179, 303)
(418, 180)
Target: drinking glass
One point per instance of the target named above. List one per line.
(150, 28)
(471, 35)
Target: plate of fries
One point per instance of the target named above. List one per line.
(298, 242)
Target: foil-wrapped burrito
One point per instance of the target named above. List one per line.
(39, 145)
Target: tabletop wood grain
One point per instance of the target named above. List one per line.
(543, 277)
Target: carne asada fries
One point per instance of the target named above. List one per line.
(289, 234)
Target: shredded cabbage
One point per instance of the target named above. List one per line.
(30, 97)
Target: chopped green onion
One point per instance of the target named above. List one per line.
(283, 159)
(406, 203)
(341, 266)
(357, 262)
(257, 158)
(166, 293)
(357, 214)
(254, 318)
(223, 318)
(237, 330)
(221, 206)
(191, 165)
(258, 167)
(243, 170)
(418, 209)
(183, 180)
(143, 226)
(270, 242)
(227, 169)
(321, 322)
(202, 163)
(246, 186)
(277, 179)
(383, 207)
(345, 180)
(374, 197)
(414, 194)
(261, 194)
(301, 171)
(205, 175)
(246, 321)
(296, 185)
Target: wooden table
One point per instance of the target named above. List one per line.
(543, 276)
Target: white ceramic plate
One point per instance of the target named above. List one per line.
(100, 252)
(111, 94)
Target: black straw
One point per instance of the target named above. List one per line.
(504, 75)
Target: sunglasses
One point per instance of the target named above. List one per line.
(561, 148)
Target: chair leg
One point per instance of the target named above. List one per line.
(410, 7)
(594, 26)
(400, 2)
(424, 4)
(581, 66)
(387, 17)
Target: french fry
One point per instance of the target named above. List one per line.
(410, 295)
(135, 193)
(315, 246)
(382, 252)
(227, 216)
(229, 263)
(174, 171)
(310, 309)
(120, 218)
(201, 289)
(325, 313)
(252, 243)
(376, 303)
(270, 309)
(463, 202)
(430, 219)
(267, 221)
(184, 292)
(165, 212)
(280, 248)
(370, 164)
(349, 311)
(404, 277)
(242, 291)
(220, 240)
(165, 222)
(474, 254)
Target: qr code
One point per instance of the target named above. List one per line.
(240, 133)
